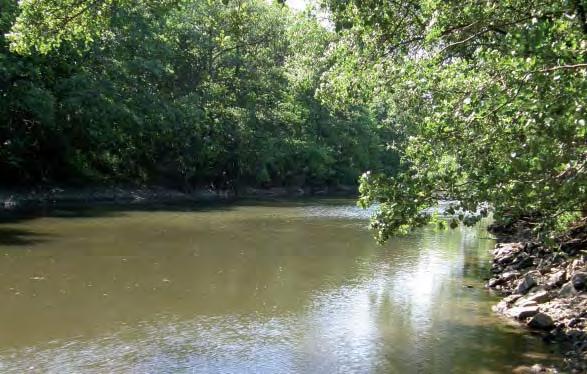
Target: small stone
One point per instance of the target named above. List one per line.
(567, 290)
(541, 321)
(525, 284)
(534, 273)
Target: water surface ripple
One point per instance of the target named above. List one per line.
(254, 287)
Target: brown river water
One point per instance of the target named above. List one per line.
(249, 287)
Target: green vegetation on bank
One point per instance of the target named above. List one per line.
(182, 93)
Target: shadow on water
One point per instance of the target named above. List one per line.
(492, 351)
(103, 210)
(10, 236)
(77, 210)
(16, 237)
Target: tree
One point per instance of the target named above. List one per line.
(489, 96)
(180, 93)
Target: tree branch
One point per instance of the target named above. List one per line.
(560, 67)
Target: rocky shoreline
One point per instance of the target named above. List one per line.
(546, 289)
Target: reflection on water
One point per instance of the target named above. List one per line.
(254, 288)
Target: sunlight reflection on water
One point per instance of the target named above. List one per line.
(248, 289)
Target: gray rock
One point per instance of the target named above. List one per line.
(523, 312)
(541, 321)
(525, 284)
(505, 259)
(567, 290)
(525, 303)
(505, 253)
(539, 296)
(533, 299)
(579, 280)
(558, 278)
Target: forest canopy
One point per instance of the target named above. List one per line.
(178, 92)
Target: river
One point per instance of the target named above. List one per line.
(249, 287)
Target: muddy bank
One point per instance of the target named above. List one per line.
(15, 199)
(546, 289)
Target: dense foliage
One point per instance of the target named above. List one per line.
(178, 92)
(482, 102)
(490, 97)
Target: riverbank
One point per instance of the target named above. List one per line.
(546, 289)
(43, 196)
